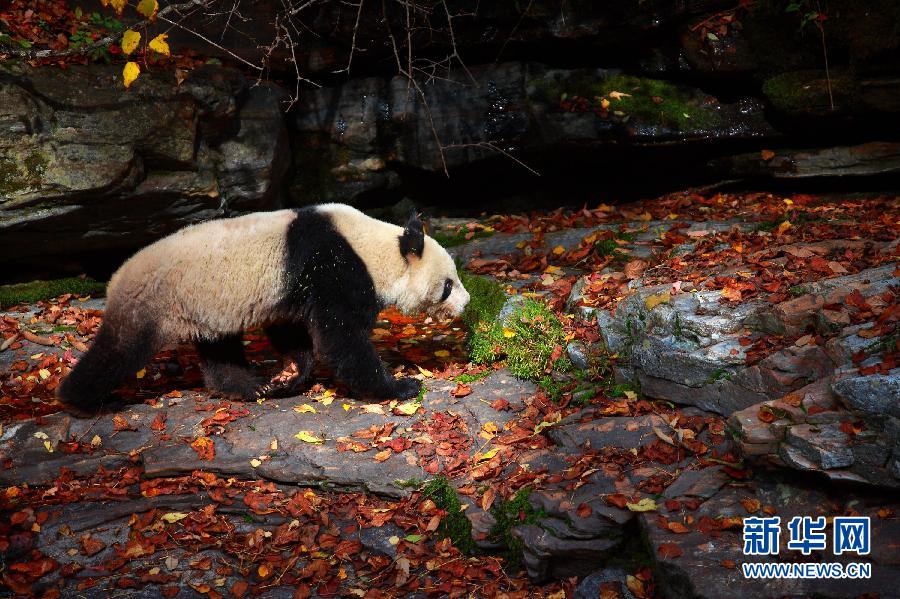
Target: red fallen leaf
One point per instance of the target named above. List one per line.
(765, 414)
(555, 354)
(159, 423)
(461, 390)
(852, 428)
(669, 550)
(584, 510)
(617, 500)
(433, 467)
(91, 545)
(856, 299)
(205, 448)
(672, 505)
(815, 410)
(678, 528)
(819, 264)
(36, 568)
(728, 563)
(731, 293)
(500, 404)
(120, 424)
(745, 341)
(751, 505)
(239, 588)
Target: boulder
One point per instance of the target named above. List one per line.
(87, 166)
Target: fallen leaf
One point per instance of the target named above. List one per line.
(644, 505)
(130, 41)
(160, 45)
(129, 74)
(651, 301)
(308, 437)
(669, 550)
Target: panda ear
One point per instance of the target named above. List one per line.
(412, 242)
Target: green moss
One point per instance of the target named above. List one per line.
(807, 91)
(16, 176)
(27, 293)
(486, 299)
(454, 525)
(453, 238)
(517, 511)
(798, 290)
(650, 101)
(467, 378)
(526, 339)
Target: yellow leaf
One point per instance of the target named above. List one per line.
(559, 250)
(782, 228)
(148, 8)
(656, 299)
(160, 45)
(509, 333)
(488, 454)
(394, 540)
(630, 395)
(96, 441)
(263, 570)
(305, 409)
(118, 5)
(45, 374)
(618, 95)
(426, 373)
(255, 463)
(48, 446)
(442, 353)
(604, 103)
(129, 74)
(273, 445)
(308, 437)
(173, 517)
(644, 505)
(130, 41)
(347, 407)
(409, 408)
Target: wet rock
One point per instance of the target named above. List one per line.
(78, 153)
(485, 111)
(873, 158)
(547, 556)
(874, 395)
(686, 347)
(246, 439)
(578, 355)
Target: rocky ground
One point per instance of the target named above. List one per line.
(728, 356)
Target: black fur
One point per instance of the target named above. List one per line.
(331, 292)
(120, 350)
(225, 368)
(412, 242)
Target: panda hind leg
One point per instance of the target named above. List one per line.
(292, 341)
(225, 368)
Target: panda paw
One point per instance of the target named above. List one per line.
(407, 388)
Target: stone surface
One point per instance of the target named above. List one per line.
(79, 154)
(874, 158)
(365, 125)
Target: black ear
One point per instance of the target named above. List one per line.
(412, 242)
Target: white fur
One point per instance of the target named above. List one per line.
(413, 284)
(206, 280)
(224, 276)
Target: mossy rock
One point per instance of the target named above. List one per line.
(806, 92)
(21, 173)
(526, 337)
(28, 293)
(641, 99)
(454, 525)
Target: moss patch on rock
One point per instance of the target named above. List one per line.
(454, 525)
(19, 174)
(28, 293)
(451, 238)
(650, 101)
(807, 91)
(486, 299)
(514, 512)
(526, 338)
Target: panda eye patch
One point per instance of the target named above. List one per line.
(448, 287)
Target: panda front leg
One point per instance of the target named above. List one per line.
(225, 368)
(351, 355)
(292, 341)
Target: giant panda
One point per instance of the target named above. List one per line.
(315, 278)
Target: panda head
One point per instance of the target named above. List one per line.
(431, 284)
